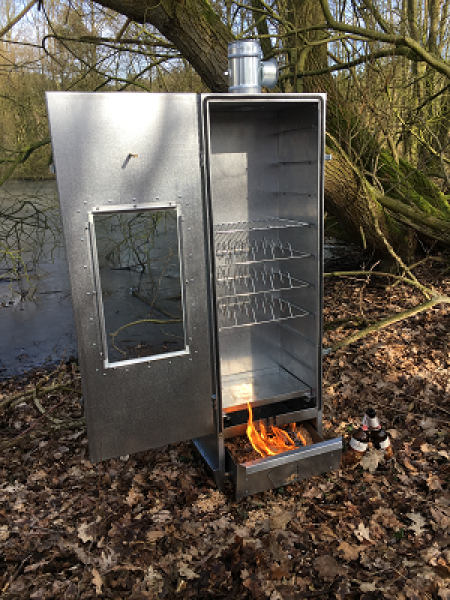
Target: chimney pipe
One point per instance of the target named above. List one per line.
(246, 71)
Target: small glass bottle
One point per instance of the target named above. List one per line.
(378, 436)
(370, 419)
(357, 447)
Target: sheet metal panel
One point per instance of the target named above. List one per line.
(264, 157)
(124, 150)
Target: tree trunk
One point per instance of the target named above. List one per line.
(193, 27)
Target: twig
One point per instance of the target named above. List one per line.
(434, 404)
(26, 395)
(390, 320)
(42, 410)
(26, 432)
(15, 574)
(407, 412)
(400, 278)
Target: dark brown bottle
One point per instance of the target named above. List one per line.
(356, 448)
(378, 436)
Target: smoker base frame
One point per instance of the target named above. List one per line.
(284, 469)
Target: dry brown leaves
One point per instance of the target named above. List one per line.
(155, 526)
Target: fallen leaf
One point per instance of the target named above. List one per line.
(362, 533)
(86, 532)
(162, 516)
(326, 532)
(277, 573)
(97, 581)
(242, 532)
(443, 564)
(427, 448)
(252, 584)
(418, 523)
(350, 552)
(154, 535)
(408, 464)
(433, 482)
(430, 555)
(412, 594)
(376, 530)
(366, 586)
(108, 560)
(79, 551)
(279, 520)
(4, 533)
(440, 519)
(221, 524)
(428, 424)
(134, 497)
(185, 571)
(371, 460)
(387, 518)
(327, 567)
(211, 502)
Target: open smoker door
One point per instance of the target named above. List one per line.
(128, 174)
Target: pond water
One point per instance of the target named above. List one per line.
(36, 318)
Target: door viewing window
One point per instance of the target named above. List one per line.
(139, 268)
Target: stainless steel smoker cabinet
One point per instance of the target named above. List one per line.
(193, 230)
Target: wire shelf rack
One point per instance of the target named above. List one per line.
(244, 252)
(247, 311)
(256, 225)
(245, 280)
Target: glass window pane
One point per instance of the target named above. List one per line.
(140, 279)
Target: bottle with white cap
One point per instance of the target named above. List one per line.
(378, 436)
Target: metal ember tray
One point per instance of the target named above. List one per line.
(286, 468)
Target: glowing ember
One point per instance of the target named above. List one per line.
(273, 440)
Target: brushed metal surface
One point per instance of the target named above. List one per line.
(263, 178)
(265, 163)
(285, 469)
(125, 150)
(244, 58)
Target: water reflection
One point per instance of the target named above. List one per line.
(36, 318)
(141, 292)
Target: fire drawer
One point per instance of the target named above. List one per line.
(284, 469)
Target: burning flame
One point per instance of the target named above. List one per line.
(271, 441)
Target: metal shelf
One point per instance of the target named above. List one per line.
(261, 387)
(245, 252)
(250, 310)
(236, 281)
(256, 225)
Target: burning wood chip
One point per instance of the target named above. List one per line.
(262, 441)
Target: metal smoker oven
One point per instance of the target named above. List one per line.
(193, 230)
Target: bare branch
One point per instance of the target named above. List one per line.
(16, 19)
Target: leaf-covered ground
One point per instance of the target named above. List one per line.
(155, 526)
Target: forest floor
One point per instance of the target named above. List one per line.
(154, 525)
